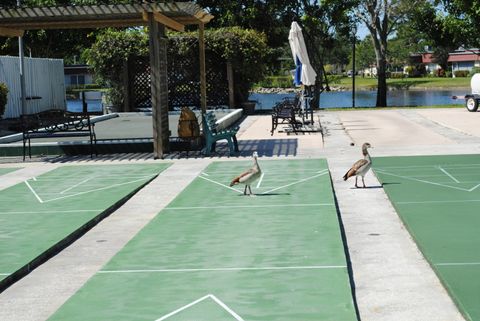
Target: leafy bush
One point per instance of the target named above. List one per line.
(276, 82)
(109, 54)
(245, 49)
(461, 73)
(397, 75)
(3, 98)
(410, 70)
(475, 70)
(448, 74)
(334, 79)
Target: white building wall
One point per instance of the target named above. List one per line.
(43, 78)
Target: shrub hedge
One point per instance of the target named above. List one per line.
(245, 49)
(461, 73)
(3, 98)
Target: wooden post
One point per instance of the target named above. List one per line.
(159, 86)
(126, 83)
(231, 92)
(203, 77)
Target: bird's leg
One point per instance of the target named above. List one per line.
(363, 180)
(250, 189)
(245, 190)
(356, 177)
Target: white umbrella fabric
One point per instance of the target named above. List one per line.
(299, 52)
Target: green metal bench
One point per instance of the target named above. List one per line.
(212, 135)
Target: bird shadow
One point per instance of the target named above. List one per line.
(383, 184)
(267, 194)
(368, 187)
(272, 194)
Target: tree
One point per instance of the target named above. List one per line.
(364, 54)
(325, 25)
(442, 32)
(382, 17)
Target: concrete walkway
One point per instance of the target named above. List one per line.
(392, 279)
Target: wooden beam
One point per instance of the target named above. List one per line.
(77, 24)
(164, 20)
(8, 32)
(193, 20)
(203, 73)
(204, 16)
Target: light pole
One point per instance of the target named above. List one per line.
(354, 39)
(21, 57)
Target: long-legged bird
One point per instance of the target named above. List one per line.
(249, 176)
(361, 167)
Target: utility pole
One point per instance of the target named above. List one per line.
(21, 56)
(354, 39)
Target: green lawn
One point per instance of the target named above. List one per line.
(407, 83)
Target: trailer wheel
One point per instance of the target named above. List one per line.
(471, 104)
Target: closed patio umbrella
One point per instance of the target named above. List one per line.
(300, 56)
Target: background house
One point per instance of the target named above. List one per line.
(460, 59)
(78, 75)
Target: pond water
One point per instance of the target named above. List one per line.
(335, 99)
(339, 99)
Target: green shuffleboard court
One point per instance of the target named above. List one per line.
(216, 255)
(7, 170)
(40, 212)
(438, 199)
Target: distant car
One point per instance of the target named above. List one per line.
(350, 73)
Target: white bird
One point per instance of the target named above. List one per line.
(249, 176)
(361, 167)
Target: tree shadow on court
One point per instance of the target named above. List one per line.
(268, 147)
(272, 194)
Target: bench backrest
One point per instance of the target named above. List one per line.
(209, 123)
(56, 121)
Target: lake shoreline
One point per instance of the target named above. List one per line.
(278, 90)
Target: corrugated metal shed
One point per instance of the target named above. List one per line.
(44, 84)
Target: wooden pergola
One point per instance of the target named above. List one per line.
(157, 16)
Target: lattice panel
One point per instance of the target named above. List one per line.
(183, 80)
(217, 85)
(139, 71)
(183, 83)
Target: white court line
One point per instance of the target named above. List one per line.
(474, 188)
(456, 264)
(260, 180)
(235, 172)
(247, 206)
(267, 268)
(448, 174)
(297, 182)
(78, 184)
(34, 178)
(233, 189)
(93, 190)
(430, 166)
(34, 193)
(5, 274)
(434, 202)
(50, 212)
(203, 173)
(211, 296)
(427, 182)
